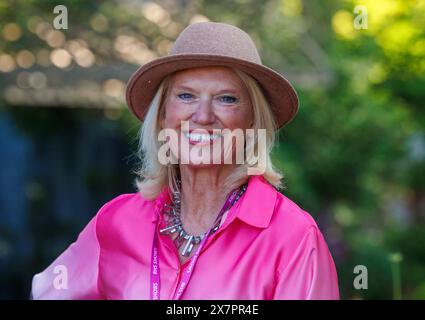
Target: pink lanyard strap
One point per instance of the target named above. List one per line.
(155, 287)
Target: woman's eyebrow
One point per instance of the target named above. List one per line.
(230, 90)
(183, 87)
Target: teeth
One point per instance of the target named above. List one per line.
(202, 137)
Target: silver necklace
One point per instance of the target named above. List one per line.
(174, 223)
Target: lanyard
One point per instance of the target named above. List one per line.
(155, 282)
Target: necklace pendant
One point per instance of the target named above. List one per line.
(175, 225)
(178, 241)
(197, 239)
(188, 247)
(169, 230)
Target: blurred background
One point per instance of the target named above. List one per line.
(354, 157)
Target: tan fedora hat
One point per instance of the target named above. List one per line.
(212, 44)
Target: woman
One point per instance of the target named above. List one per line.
(201, 229)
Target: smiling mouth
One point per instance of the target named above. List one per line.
(201, 138)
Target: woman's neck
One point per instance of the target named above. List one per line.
(202, 196)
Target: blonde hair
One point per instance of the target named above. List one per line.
(152, 176)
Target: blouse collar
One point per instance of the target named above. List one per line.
(256, 208)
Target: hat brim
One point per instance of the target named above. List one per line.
(144, 83)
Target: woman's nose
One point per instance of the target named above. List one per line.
(204, 114)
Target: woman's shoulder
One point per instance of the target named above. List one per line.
(295, 234)
(125, 208)
(125, 202)
(290, 218)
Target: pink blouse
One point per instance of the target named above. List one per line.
(266, 248)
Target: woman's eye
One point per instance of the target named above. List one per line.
(185, 96)
(228, 99)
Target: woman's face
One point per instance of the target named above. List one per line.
(206, 98)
